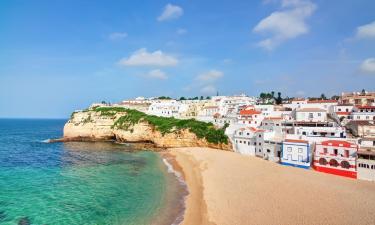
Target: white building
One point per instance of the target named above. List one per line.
(248, 141)
(250, 117)
(167, 108)
(363, 113)
(296, 153)
(311, 115)
(331, 132)
(366, 159)
(272, 146)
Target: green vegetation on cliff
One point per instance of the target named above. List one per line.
(164, 124)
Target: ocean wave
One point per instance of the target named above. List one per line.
(46, 141)
(181, 180)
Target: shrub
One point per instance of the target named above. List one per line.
(166, 125)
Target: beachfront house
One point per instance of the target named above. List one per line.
(295, 153)
(366, 160)
(336, 157)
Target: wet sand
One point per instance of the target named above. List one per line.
(229, 188)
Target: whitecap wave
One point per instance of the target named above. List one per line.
(46, 141)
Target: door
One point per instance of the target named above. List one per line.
(300, 158)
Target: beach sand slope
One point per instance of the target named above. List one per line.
(227, 188)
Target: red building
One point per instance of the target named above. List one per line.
(336, 157)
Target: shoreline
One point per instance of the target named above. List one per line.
(195, 210)
(229, 188)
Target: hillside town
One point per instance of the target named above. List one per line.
(335, 136)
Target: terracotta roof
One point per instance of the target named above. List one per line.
(322, 101)
(296, 141)
(252, 129)
(273, 118)
(343, 113)
(249, 112)
(338, 143)
(366, 107)
(311, 110)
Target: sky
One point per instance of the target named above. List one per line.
(58, 56)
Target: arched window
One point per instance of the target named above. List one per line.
(345, 164)
(323, 161)
(333, 163)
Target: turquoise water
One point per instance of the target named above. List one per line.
(79, 183)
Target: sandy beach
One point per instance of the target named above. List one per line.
(227, 188)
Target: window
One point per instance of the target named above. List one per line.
(268, 150)
(240, 142)
(335, 151)
(346, 153)
(248, 143)
(319, 114)
(289, 149)
(260, 135)
(299, 150)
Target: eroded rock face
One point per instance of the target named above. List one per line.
(92, 125)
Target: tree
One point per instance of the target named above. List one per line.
(202, 98)
(208, 97)
(273, 94)
(164, 97)
(103, 102)
(195, 98)
(323, 97)
(279, 100)
(182, 98)
(363, 91)
(335, 97)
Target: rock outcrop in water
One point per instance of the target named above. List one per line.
(131, 126)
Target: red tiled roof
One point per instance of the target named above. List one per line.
(273, 118)
(343, 113)
(322, 101)
(366, 107)
(296, 141)
(338, 143)
(249, 112)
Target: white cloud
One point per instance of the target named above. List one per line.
(366, 31)
(142, 57)
(208, 90)
(181, 31)
(117, 36)
(368, 66)
(157, 74)
(210, 76)
(288, 23)
(171, 12)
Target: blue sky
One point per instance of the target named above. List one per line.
(57, 56)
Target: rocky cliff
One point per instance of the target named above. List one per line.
(104, 125)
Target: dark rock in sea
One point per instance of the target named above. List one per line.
(24, 221)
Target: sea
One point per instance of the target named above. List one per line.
(82, 182)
